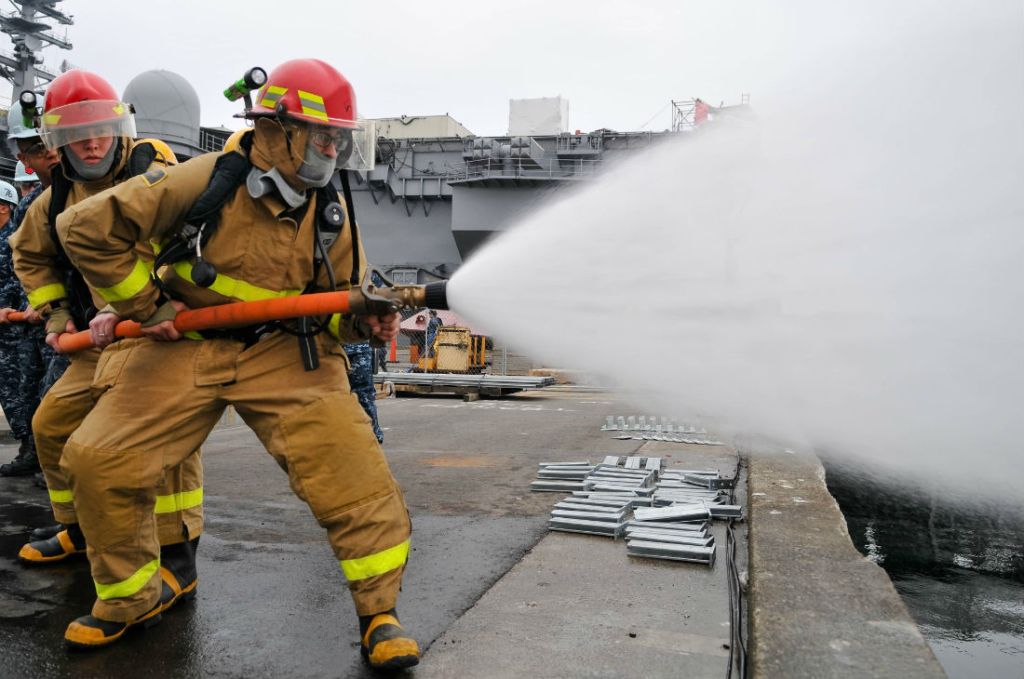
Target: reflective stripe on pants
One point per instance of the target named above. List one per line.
(309, 421)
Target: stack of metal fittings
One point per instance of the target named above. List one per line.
(594, 516)
(675, 527)
(606, 495)
(644, 428)
(676, 533)
(663, 514)
(692, 487)
(561, 477)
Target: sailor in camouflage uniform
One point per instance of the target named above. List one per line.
(360, 378)
(36, 365)
(360, 375)
(21, 360)
(43, 365)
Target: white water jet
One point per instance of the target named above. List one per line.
(845, 272)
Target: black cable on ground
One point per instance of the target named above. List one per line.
(738, 644)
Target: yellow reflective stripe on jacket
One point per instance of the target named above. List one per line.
(46, 294)
(187, 499)
(376, 564)
(133, 284)
(334, 326)
(61, 495)
(130, 586)
(233, 287)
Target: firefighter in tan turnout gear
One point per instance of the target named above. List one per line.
(93, 131)
(253, 223)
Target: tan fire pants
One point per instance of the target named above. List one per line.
(161, 401)
(62, 410)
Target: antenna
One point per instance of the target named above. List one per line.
(30, 34)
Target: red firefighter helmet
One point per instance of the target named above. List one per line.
(309, 90)
(82, 105)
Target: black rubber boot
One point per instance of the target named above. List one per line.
(62, 545)
(25, 464)
(178, 572)
(89, 632)
(45, 532)
(385, 645)
(39, 481)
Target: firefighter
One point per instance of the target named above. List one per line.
(93, 131)
(242, 225)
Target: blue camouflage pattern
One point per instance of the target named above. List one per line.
(360, 379)
(25, 359)
(11, 293)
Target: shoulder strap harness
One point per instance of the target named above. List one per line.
(79, 298)
(201, 222)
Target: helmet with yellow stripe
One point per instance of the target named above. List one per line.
(309, 90)
(81, 105)
(313, 93)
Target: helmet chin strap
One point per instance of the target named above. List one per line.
(90, 173)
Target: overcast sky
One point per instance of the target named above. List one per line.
(619, 64)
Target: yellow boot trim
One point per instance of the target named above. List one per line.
(81, 635)
(178, 502)
(33, 555)
(179, 591)
(376, 564)
(128, 586)
(390, 653)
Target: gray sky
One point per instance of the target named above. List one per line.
(619, 64)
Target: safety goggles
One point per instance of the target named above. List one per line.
(354, 146)
(35, 150)
(86, 120)
(324, 138)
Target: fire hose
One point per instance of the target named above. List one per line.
(365, 300)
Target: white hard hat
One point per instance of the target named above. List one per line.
(24, 174)
(8, 194)
(16, 127)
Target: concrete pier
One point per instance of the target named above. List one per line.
(818, 608)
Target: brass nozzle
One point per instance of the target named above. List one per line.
(370, 299)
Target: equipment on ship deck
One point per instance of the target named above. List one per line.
(455, 350)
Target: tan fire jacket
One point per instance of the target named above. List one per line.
(35, 254)
(261, 249)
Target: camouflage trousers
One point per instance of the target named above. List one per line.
(24, 358)
(360, 378)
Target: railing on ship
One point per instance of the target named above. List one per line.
(517, 168)
(211, 142)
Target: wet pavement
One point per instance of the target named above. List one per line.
(580, 606)
(272, 601)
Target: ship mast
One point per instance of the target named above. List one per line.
(30, 35)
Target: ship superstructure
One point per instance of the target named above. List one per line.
(437, 192)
